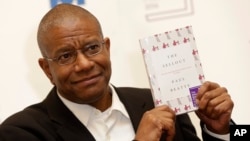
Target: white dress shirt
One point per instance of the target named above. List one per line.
(111, 125)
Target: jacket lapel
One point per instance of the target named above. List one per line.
(136, 102)
(68, 126)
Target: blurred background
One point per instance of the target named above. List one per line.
(221, 29)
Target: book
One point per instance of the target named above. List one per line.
(174, 68)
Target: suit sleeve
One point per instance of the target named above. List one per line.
(23, 127)
(207, 137)
(14, 133)
(188, 132)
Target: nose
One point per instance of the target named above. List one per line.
(83, 63)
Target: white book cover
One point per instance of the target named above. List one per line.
(174, 68)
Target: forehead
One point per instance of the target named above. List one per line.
(80, 23)
(74, 25)
(71, 33)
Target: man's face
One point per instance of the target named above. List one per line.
(86, 79)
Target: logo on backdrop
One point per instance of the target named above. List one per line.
(55, 2)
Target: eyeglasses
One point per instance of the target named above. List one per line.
(69, 57)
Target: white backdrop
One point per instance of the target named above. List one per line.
(221, 28)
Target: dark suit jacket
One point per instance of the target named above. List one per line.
(51, 120)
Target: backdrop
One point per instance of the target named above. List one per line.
(221, 28)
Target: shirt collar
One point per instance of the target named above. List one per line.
(84, 111)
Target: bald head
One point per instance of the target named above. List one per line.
(59, 16)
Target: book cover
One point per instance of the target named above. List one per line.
(174, 68)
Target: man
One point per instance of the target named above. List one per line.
(83, 105)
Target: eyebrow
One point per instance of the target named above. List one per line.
(63, 49)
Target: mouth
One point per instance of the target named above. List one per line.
(88, 81)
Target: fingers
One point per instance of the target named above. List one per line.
(155, 122)
(163, 117)
(168, 123)
(213, 100)
(205, 87)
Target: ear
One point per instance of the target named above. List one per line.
(45, 67)
(107, 43)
